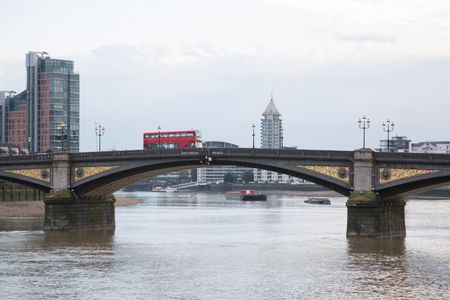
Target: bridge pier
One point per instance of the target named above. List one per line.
(367, 214)
(65, 211)
(370, 216)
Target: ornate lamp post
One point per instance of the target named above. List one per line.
(253, 135)
(99, 131)
(388, 127)
(364, 124)
(61, 127)
(159, 137)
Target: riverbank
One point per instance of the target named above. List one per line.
(36, 209)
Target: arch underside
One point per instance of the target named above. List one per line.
(26, 181)
(414, 186)
(109, 183)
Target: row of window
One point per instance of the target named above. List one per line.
(169, 146)
(162, 146)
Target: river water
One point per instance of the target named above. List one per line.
(200, 246)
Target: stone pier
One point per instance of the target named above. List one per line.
(64, 211)
(367, 214)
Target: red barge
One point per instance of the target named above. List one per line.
(245, 195)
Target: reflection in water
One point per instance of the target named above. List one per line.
(383, 247)
(201, 246)
(21, 223)
(381, 265)
(81, 238)
(53, 264)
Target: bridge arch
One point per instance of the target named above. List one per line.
(414, 185)
(26, 181)
(113, 180)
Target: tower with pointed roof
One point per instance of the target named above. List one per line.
(271, 127)
(271, 138)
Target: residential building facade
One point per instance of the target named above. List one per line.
(431, 147)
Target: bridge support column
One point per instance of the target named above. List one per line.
(369, 216)
(65, 211)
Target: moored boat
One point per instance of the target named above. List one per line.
(245, 195)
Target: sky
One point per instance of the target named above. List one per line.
(212, 65)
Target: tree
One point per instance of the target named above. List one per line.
(229, 177)
(247, 177)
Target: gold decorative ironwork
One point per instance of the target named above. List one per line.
(339, 173)
(38, 174)
(84, 172)
(387, 175)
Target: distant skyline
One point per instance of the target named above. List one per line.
(211, 66)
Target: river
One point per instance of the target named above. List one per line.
(200, 246)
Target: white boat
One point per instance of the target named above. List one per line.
(164, 189)
(318, 200)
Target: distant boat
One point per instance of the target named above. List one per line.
(171, 189)
(245, 195)
(164, 190)
(318, 200)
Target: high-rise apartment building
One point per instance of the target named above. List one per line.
(271, 138)
(46, 116)
(271, 127)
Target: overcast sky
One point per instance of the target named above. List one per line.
(211, 65)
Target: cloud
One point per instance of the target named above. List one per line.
(222, 93)
(327, 61)
(368, 38)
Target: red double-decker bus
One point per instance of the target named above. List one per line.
(172, 139)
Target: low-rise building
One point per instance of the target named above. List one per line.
(396, 144)
(431, 147)
(216, 173)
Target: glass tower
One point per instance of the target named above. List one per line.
(54, 101)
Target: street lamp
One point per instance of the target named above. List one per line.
(61, 127)
(388, 127)
(253, 135)
(29, 144)
(159, 137)
(99, 131)
(364, 124)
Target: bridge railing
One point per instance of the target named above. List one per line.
(412, 157)
(133, 153)
(284, 152)
(28, 157)
(324, 154)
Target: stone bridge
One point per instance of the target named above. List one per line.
(80, 185)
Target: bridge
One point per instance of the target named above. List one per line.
(79, 186)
